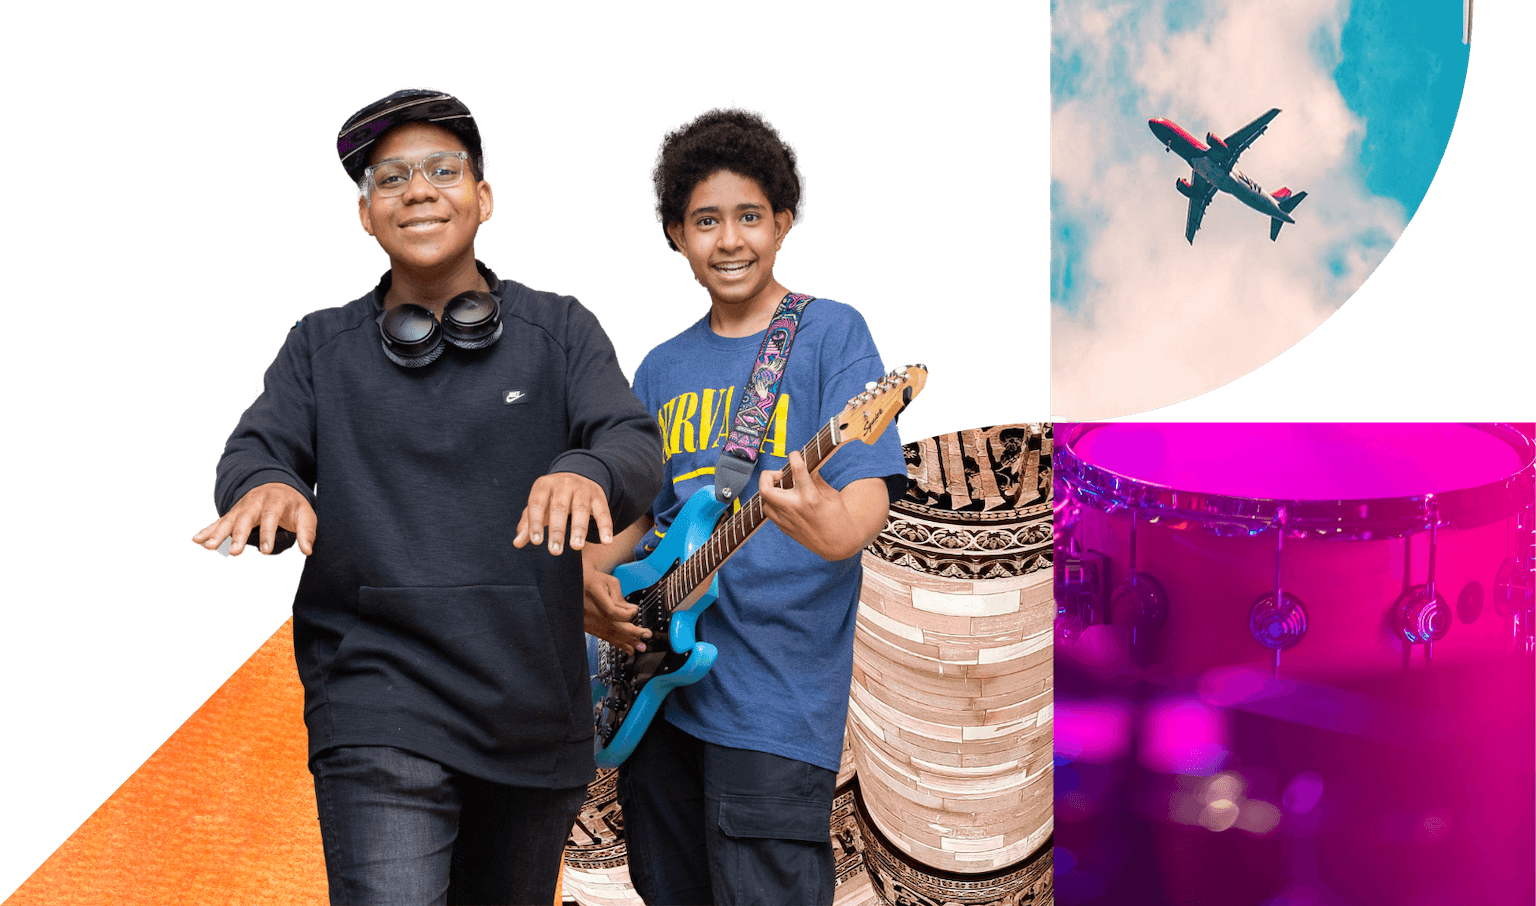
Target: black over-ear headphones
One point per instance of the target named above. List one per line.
(413, 337)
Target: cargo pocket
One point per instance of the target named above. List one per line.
(775, 818)
(777, 850)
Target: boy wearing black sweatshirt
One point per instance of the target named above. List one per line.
(423, 442)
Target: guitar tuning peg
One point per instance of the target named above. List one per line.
(870, 387)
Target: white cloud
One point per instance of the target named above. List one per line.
(1157, 321)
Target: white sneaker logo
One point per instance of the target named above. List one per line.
(513, 396)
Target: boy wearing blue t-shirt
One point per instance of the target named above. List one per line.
(727, 798)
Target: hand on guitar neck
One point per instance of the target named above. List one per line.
(832, 524)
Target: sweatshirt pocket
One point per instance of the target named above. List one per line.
(473, 665)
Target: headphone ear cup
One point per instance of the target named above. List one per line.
(472, 320)
(411, 336)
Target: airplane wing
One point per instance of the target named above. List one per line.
(1239, 141)
(1200, 195)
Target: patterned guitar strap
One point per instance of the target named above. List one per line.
(739, 456)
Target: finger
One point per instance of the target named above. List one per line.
(268, 535)
(608, 595)
(626, 635)
(775, 496)
(215, 538)
(530, 524)
(620, 632)
(556, 527)
(304, 524)
(605, 630)
(615, 608)
(210, 537)
(534, 515)
(790, 472)
(579, 525)
(602, 518)
(239, 530)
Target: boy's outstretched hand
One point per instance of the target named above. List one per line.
(555, 497)
(268, 507)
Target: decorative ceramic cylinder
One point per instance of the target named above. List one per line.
(951, 716)
(596, 871)
(950, 710)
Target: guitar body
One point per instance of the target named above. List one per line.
(627, 691)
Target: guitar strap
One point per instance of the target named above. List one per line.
(739, 456)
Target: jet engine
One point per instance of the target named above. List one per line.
(1185, 188)
(1218, 149)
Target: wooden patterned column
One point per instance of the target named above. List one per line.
(596, 859)
(950, 710)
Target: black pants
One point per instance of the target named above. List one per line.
(402, 830)
(710, 824)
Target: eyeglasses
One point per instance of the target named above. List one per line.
(444, 169)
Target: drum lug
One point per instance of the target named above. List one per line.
(1277, 628)
(1512, 589)
(1080, 590)
(1514, 597)
(1421, 620)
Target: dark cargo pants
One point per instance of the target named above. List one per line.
(709, 824)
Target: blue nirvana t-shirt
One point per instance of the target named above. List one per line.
(784, 620)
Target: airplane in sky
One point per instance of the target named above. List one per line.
(1211, 165)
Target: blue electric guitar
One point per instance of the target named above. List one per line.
(628, 689)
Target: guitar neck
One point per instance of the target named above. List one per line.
(733, 532)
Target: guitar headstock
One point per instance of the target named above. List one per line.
(867, 415)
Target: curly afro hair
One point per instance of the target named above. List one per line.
(735, 140)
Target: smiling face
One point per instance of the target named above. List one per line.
(425, 230)
(730, 236)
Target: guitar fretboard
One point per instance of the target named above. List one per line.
(739, 526)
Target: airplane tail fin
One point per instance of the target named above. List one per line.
(1288, 203)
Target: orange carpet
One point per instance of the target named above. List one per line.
(224, 812)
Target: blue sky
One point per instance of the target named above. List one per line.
(1368, 91)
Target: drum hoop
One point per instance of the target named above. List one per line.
(1358, 519)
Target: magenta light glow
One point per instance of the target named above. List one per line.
(1096, 731)
(1303, 793)
(1183, 735)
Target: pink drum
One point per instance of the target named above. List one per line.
(1315, 548)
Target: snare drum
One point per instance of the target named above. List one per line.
(1316, 549)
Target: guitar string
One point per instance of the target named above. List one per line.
(724, 541)
(735, 531)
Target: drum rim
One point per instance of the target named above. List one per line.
(1344, 519)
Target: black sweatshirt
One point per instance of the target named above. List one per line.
(416, 623)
